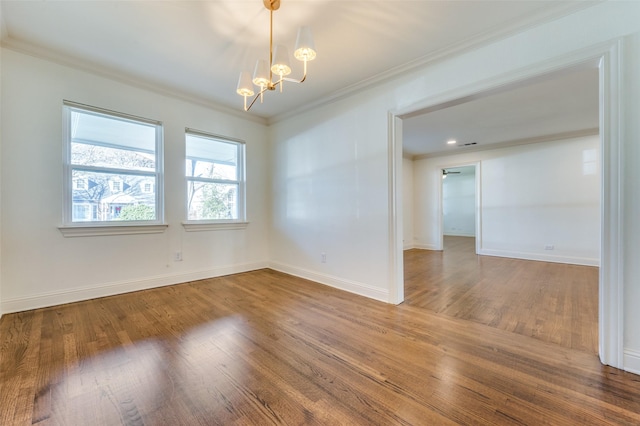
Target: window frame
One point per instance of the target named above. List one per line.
(69, 228)
(218, 224)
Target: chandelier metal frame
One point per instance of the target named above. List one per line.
(278, 64)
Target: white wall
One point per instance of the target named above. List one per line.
(339, 153)
(329, 196)
(40, 267)
(459, 204)
(531, 196)
(407, 203)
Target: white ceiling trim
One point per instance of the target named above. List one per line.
(507, 144)
(4, 33)
(119, 76)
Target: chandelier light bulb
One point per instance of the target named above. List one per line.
(261, 73)
(244, 85)
(281, 64)
(305, 49)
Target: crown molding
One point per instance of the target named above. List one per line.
(506, 144)
(559, 10)
(4, 33)
(121, 77)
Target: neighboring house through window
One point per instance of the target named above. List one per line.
(215, 178)
(111, 159)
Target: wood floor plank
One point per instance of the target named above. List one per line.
(552, 302)
(267, 348)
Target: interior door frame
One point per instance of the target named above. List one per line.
(611, 285)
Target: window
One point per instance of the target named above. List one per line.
(109, 157)
(215, 178)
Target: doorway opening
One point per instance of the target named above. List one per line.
(459, 200)
(610, 316)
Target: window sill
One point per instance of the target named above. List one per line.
(192, 226)
(93, 230)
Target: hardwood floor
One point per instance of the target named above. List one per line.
(552, 302)
(268, 348)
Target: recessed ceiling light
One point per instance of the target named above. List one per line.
(451, 142)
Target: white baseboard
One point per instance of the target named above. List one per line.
(426, 247)
(333, 281)
(631, 362)
(407, 244)
(109, 289)
(458, 234)
(585, 261)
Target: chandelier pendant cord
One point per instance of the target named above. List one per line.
(270, 44)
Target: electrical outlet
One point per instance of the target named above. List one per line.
(323, 257)
(177, 256)
(549, 247)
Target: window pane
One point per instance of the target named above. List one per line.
(111, 197)
(211, 158)
(211, 170)
(82, 212)
(108, 141)
(209, 201)
(97, 129)
(83, 154)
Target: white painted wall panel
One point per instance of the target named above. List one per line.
(329, 195)
(39, 265)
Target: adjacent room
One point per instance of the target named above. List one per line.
(516, 177)
(224, 212)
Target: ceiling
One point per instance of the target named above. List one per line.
(198, 48)
(557, 105)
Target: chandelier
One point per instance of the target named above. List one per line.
(278, 65)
